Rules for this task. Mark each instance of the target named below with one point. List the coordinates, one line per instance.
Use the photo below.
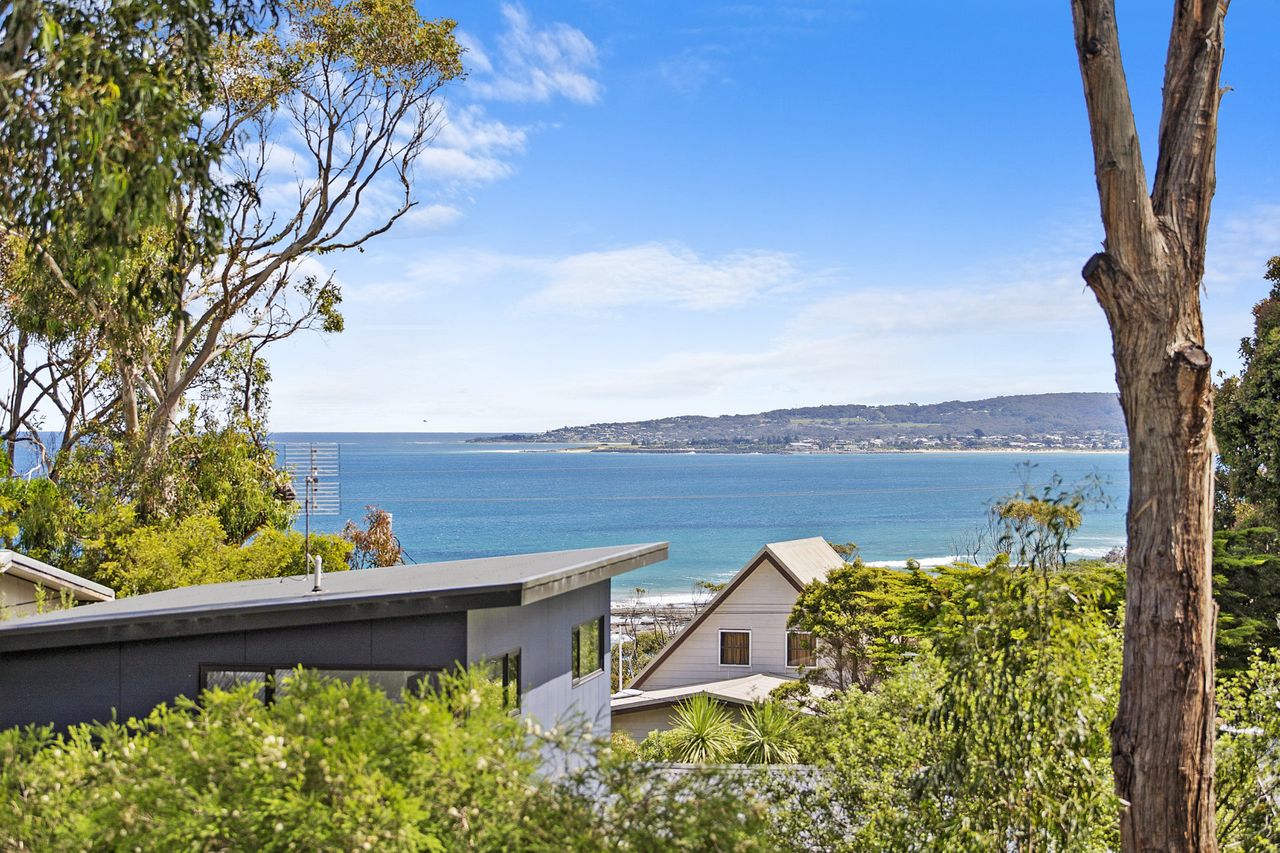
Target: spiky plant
(769, 735)
(703, 732)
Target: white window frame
(786, 650)
(720, 647)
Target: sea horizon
(451, 500)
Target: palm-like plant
(703, 732)
(769, 732)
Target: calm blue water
(453, 500)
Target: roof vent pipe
(319, 568)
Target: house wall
(640, 722)
(543, 633)
(761, 603)
(17, 597)
(83, 683)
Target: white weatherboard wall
(18, 596)
(761, 604)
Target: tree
(1147, 280)
(859, 617)
(353, 86)
(1246, 580)
(374, 546)
(1246, 422)
(702, 731)
(97, 106)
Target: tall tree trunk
(1147, 280)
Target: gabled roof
(361, 594)
(801, 561)
(805, 560)
(37, 572)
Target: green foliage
(1030, 682)
(1246, 584)
(769, 734)
(1247, 775)
(868, 619)
(703, 732)
(992, 735)
(341, 766)
(97, 105)
(870, 746)
(194, 551)
(1246, 422)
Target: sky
(639, 209)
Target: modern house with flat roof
(540, 620)
(28, 584)
(739, 647)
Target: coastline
(687, 451)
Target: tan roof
(737, 691)
(808, 560)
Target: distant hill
(1078, 420)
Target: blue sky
(640, 209)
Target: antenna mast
(320, 461)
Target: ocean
(454, 500)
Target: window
(269, 678)
(735, 648)
(801, 650)
(588, 647)
(505, 670)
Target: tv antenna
(316, 464)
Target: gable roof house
(27, 585)
(540, 621)
(737, 649)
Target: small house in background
(540, 622)
(737, 649)
(28, 586)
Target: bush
(331, 765)
(1248, 757)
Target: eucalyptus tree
(320, 120)
(1147, 279)
(98, 102)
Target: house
(739, 647)
(28, 586)
(541, 621)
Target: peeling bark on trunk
(1147, 281)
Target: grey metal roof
(367, 593)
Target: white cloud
(535, 63)
(884, 345)
(475, 59)
(664, 274)
(691, 70)
(1240, 245)
(470, 147)
(432, 216)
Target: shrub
(331, 765)
(703, 732)
(769, 734)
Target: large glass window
(269, 678)
(735, 648)
(588, 647)
(801, 650)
